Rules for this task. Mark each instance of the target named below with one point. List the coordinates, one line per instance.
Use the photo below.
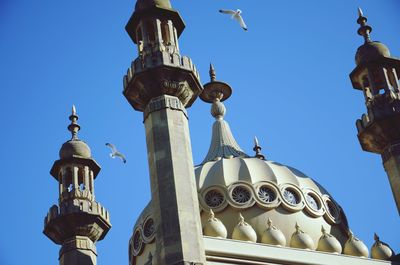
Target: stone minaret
(78, 221)
(377, 75)
(161, 83)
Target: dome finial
(212, 73)
(257, 148)
(74, 126)
(364, 29)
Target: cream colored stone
(328, 243)
(243, 231)
(273, 236)
(380, 250)
(355, 247)
(300, 239)
(214, 227)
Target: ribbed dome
(145, 4)
(75, 148)
(301, 239)
(273, 236)
(214, 227)
(371, 51)
(355, 247)
(328, 243)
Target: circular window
(241, 194)
(291, 196)
(266, 194)
(137, 242)
(332, 209)
(148, 228)
(214, 198)
(312, 201)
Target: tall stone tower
(78, 221)
(161, 83)
(377, 75)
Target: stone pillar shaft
(174, 195)
(78, 250)
(391, 163)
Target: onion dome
(300, 239)
(228, 180)
(146, 4)
(74, 147)
(355, 247)
(243, 231)
(328, 243)
(370, 50)
(273, 236)
(380, 250)
(214, 227)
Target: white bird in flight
(115, 153)
(236, 15)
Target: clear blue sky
(289, 74)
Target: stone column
(174, 196)
(78, 250)
(391, 163)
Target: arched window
(165, 33)
(151, 37)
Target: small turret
(377, 75)
(78, 221)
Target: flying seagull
(115, 153)
(236, 15)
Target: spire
(74, 127)
(223, 144)
(257, 148)
(364, 29)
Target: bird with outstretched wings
(235, 15)
(115, 153)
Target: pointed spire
(74, 127)
(223, 144)
(364, 29)
(257, 148)
(212, 73)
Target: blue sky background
(289, 75)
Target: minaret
(162, 83)
(78, 221)
(377, 75)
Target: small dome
(214, 227)
(355, 247)
(300, 239)
(145, 4)
(380, 250)
(73, 148)
(371, 51)
(243, 231)
(328, 243)
(273, 236)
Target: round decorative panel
(291, 197)
(241, 194)
(312, 202)
(214, 198)
(148, 228)
(266, 194)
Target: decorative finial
(376, 237)
(74, 126)
(257, 148)
(364, 29)
(241, 219)
(360, 12)
(297, 227)
(212, 73)
(211, 215)
(269, 222)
